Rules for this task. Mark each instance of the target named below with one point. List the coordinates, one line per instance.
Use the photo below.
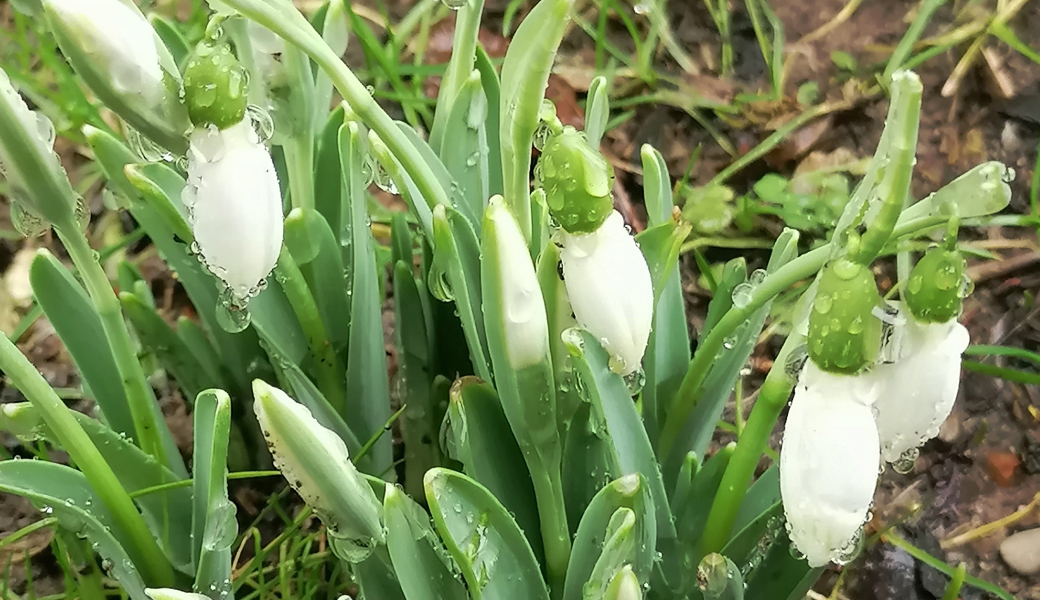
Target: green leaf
(329, 199)
(174, 355)
(525, 76)
(691, 511)
(493, 554)
(477, 434)
(597, 111)
(720, 579)
(983, 190)
(70, 311)
(376, 577)
(170, 33)
(465, 153)
(559, 316)
(368, 389)
(614, 414)
(419, 423)
(668, 350)
(135, 470)
(601, 547)
(68, 495)
(193, 336)
(424, 568)
(214, 527)
(457, 260)
(660, 246)
(493, 92)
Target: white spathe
(234, 204)
(610, 290)
(526, 324)
(829, 463)
(918, 391)
(121, 41)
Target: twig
(989, 528)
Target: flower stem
(751, 443)
(139, 394)
(330, 372)
(299, 159)
(800, 268)
(152, 562)
(291, 25)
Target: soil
(985, 464)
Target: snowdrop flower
(315, 462)
(233, 197)
(610, 290)
(118, 38)
(829, 462)
(526, 328)
(921, 387)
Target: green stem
(330, 372)
(798, 269)
(752, 442)
(139, 395)
(288, 23)
(153, 563)
(463, 49)
(552, 515)
(904, 118)
(299, 159)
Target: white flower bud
(235, 206)
(172, 594)
(624, 586)
(610, 290)
(118, 39)
(526, 326)
(918, 391)
(829, 463)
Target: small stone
(1021, 551)
(1002, 467)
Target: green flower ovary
(215, 85)
(935, 288)
(844, 333)
(577, 181)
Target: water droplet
(967, 286)
(905, 463)
(915, 284)
(635, 381)
(730, 342)
(796, 361)
(350, 549)
(823, 303)
(230, 316)
(381, 177)
(471, 160)
(742, 294)
(454, 4)
(262, 122)
(27, 222)
(642, 8)
(82, 212)
(439, 286)
(145, 148)
(45, 130)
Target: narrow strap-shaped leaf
(597, 113)
(525, 76)
(376, 577)
(614, 412)
(781, 576)
(560, 317)
(477, 434)
(368, 389)
(424, 568)
(328, 183)
(457, 259)
(214, 527)
(170, 34)
(78, 325)
(194, 337)
(493, 554)
(135, 470)
(668, 351)
(325, 275)
(465, 155)
(67, 494)
(589, 463)
(691, 512)
(173, 354)
(719, 578)
(493, 93)
(463, 47)
(592, 543)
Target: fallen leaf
(1002, 467)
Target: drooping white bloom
(918, 391)
(829, 462)
(610, 290)
(120, 41)
(235, 206)
(525, 321)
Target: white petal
(120, 40)
(527, 329)
(235, 205)
(918, 391)
(828, 466)
(609, 286)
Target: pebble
(1021, 551)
